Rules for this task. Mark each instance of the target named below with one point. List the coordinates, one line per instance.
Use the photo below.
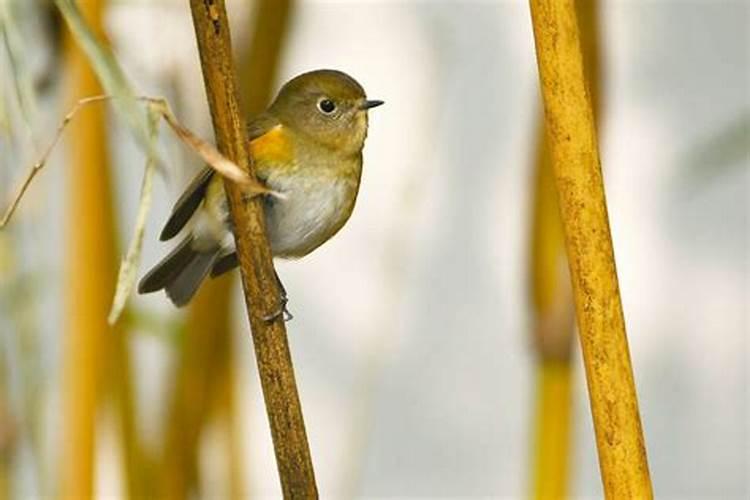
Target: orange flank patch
(273, 147)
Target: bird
(306, 146)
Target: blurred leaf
(19, 293)
(169, 328)
(212, 156)
(728, 148)
(5, 258)
(129, 266)
(107, 69)
(4, 120)
(22, 81)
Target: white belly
(310, 214)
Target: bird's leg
(282, 311)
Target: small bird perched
(307, 146)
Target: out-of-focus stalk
(259, 63)
(89, 268)
(227, 414)
(552, 298)
(553, 430)
(196, 379)
(575, 159)
(552, 337)
(135, 462)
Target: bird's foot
(282, 312)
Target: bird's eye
(327, 106)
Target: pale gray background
(410, 330)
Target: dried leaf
(214, 158)
(129, 265)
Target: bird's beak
(371, 104)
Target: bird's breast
(318, 201)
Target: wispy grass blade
(19, 72)
(108, 71)
(129, 265)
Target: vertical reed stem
(262, 296)
(572, 138)
(552, 297)
(196, 380)
(553, 426)
(261, 60)
(90, 270)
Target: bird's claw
(282, 312)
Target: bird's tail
(181, 272)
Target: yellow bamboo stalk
(553, 430)
(260, 62)
(262, 294)
(553, 335)
(90, 270)
(572, 138)
(226, 409)
(552, 299)
(195, 382)
(136, 464)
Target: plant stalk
(262, 294)
(571, 136)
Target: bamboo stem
(553, 422)
(262, 295)
(196, 381)
(573, 145)
(90, 272)
(135, 460)
(552, 298)
(552, 337)
(226, 412)
(261, 60)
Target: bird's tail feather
(180, 273)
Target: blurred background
(419, 330)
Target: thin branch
(262, 295)
(578, 178)
(40, 164)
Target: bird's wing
(187, 204)
(269, 145)
(195, 192)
